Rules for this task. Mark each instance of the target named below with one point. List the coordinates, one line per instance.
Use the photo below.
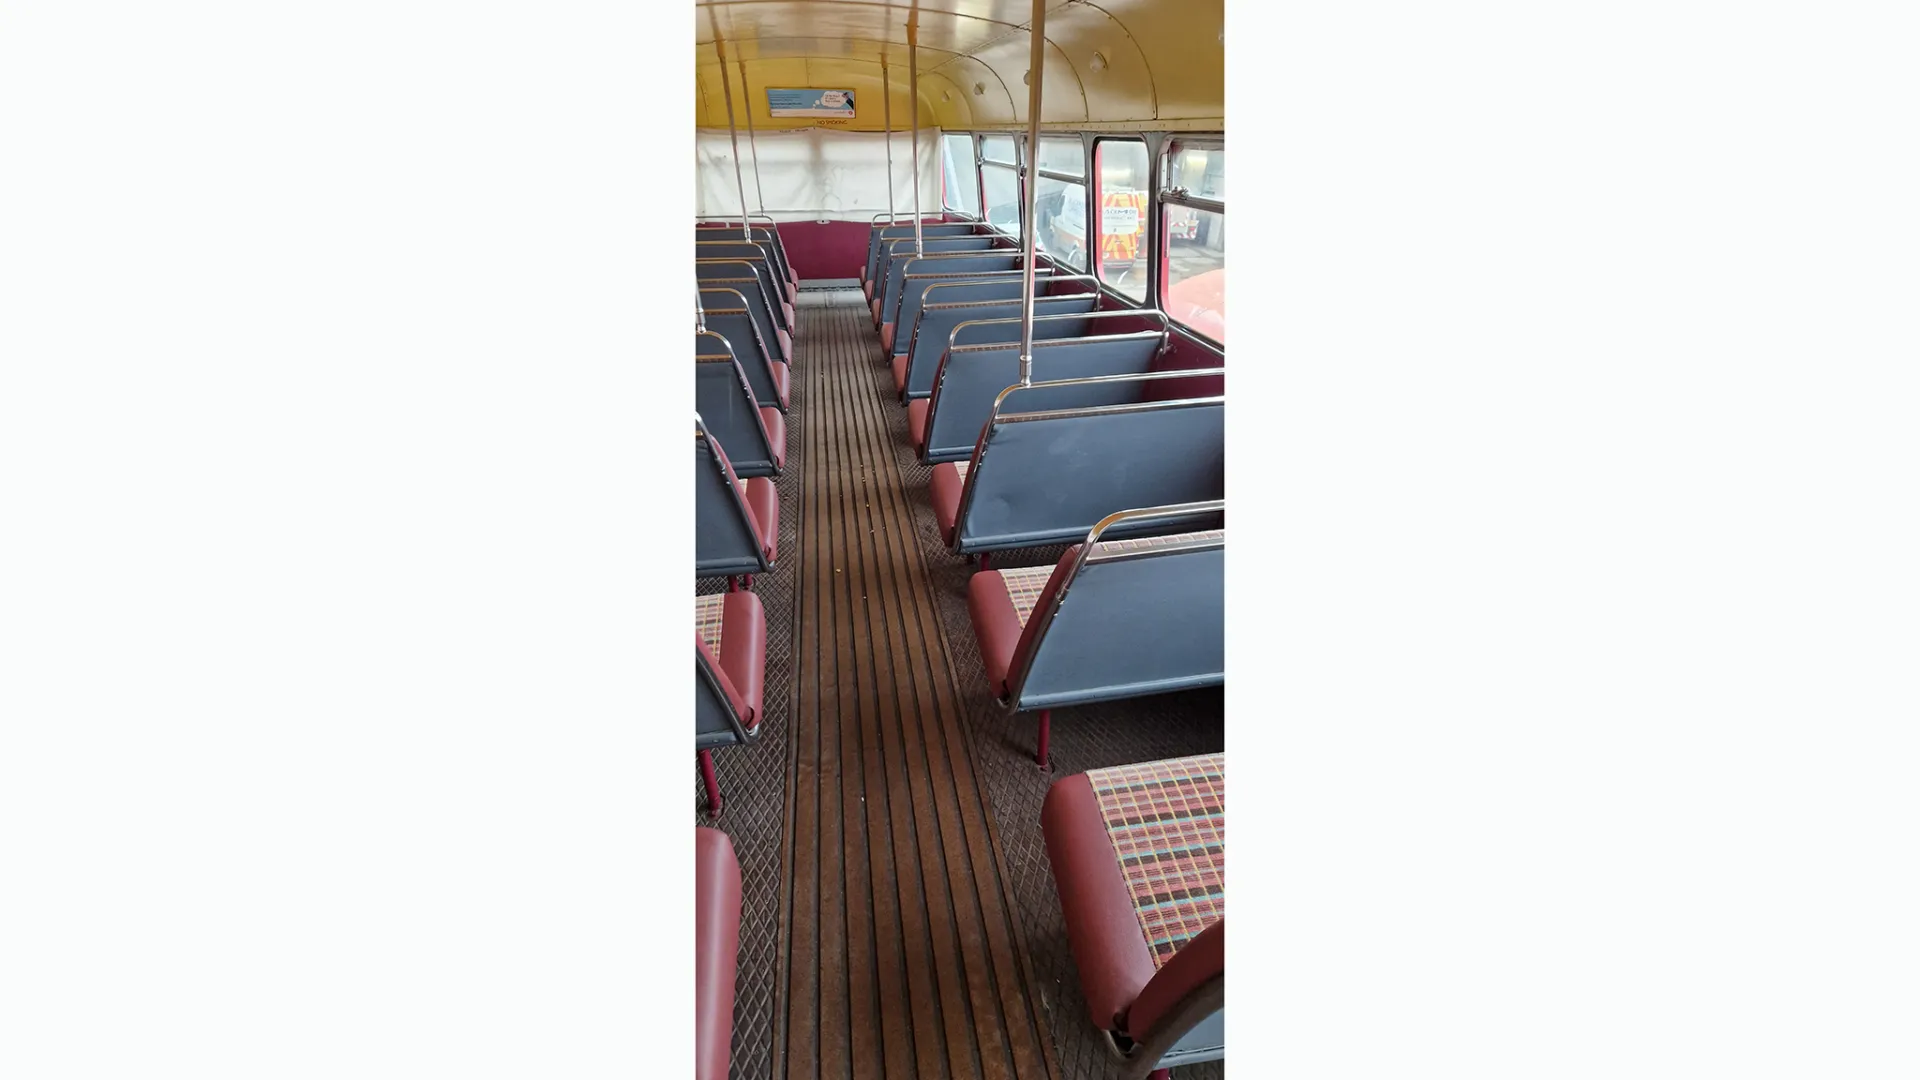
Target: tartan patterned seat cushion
(1024, 586)
(1166, 821)
(707, 611)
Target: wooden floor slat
(900, 954)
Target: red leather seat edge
(716, 944)
(763, 502)
(776, 426)
(782, 383)
(1109, 948)
(917, 411)
(945, 489)
(743, 649)
(995, 626)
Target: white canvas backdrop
(808, 174)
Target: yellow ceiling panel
(836, 73)
(1151, 63)
(1063, 100)
(1184, 47)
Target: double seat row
(1102, 447)
(743, 343)
(743, 354)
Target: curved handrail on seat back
(726, 539)
(716, 712)
(1006, 284)
(880, 234)
(1045, 477)
(991, 330)
(893, 266)
(720, 221)
(761, 235)
(730, 314)
(1000, 287)
(1148, 617)
(980, 337)
(936, 326)
(736, 248)
(756, 269)
(882, 237)
(894, 251)
(750, 288)
(970, 378)
(724, 400)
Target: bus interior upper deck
(959, 461)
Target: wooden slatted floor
(900, 957)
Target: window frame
(1159, 144)
(1165, 197)
(979, 192)
(1096, 192)
(1019, 189)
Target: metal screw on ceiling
(1098, 63)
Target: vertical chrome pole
(699, 309)
(1036, 61)
(746, 102)
(913, 106)
(726, 89)
(886, 111)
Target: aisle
(901, 958)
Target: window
(1060, 201)
(1060, 221)
(1195, 271)
(1202, 170)
(1001, 182)
(1064, 156)
(1003, 197)
(960, 189)
(1122, 168)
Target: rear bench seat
(1139, 858)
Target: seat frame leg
(711, 781)
(1160, 1074)
(733, 583)
(985, 560)
(746, 582)
(1041, 755)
